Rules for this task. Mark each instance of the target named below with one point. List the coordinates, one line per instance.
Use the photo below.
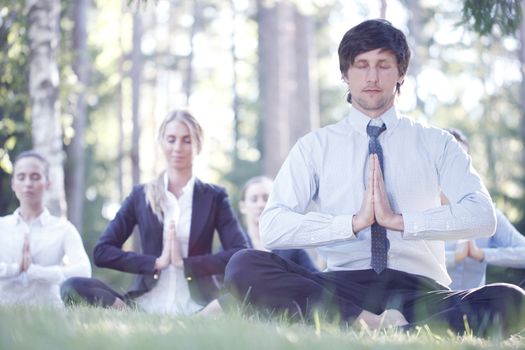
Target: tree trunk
(77, 182)
(419, 51)
(383, 9)
(136, 70)
(522, 88)
(235, 94)
(289, 99)
(305, 102)
(44, 37)
(188, 83)
(120, 115)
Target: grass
(91, 328)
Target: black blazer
(211, 211)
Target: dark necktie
(380, 243)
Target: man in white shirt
(38, 251)
(382, 236)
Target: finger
(173, 228)
(26, 242)
(376, 176)
(380, 179)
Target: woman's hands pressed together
(171, 251)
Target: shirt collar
(359, 121)
(187, 190)
(41, 220)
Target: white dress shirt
(505, 248)
(171, 294)
(57, 253)
(328, 167)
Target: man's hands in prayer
(376, 206)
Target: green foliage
(15, 135)
(483, 15)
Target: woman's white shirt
(171, 294)
(57, 254)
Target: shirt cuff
(413, 223)
(47, 273)
(342, 227)
(12, 269)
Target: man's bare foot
(119, 305)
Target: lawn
(90, 328)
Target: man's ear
(345, 79)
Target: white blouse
(171, 294)
(57, 253)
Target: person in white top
(467, 260)
(375, 179)
(38, 251)
(177, 216)
(253, 199)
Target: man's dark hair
(371, 35)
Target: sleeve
(8, 269)
(232, 240)
(284, 223)
(470, 213)
(11, 245)
(76, 261)
(108, 251)
(507, 246)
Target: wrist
(358, 224)
(178, 263)
(395, 222)
(481, 256)
(159, 264)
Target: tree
(76, 151)
(14, 121)
(44, 37)
(136, 73)
(285, 84)
(483, 16)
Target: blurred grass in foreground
(91, 328)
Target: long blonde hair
(154, 190)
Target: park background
(87, 83)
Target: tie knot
(375, 131)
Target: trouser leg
(269, 282)
(77, 290)
(491, 309)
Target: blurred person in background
(38, 251)
(254, 196)
(467, 260)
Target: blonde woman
(38, 251)
(177, 216)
